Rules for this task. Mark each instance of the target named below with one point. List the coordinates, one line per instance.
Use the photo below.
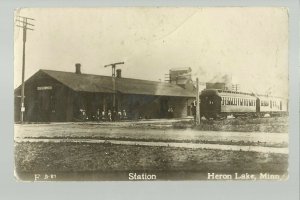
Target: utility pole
(197, 103)
(23, 23)
(113, 68)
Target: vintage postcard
(151, 94)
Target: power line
(23, 22)
(113, 68)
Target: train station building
(57, 96)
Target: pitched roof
(97, 83)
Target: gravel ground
(97, 131)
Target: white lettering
(142, 176)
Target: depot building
(57, 96)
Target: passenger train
(215, 103)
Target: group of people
(103, 116)
(111, 115)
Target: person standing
(109, 115)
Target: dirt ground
(107, 159)
(137, 131)
(272, 125)
(78, 157)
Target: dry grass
(82, 157)
(273, 125)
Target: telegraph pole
(113, 68)
(197, 103)
(23, 22)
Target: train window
(241, 102)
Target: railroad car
(216, 103)
(272, 105)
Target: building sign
(44, 88)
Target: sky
(248, 44)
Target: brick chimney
(78, 68)
(119, 73)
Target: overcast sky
(249, 44)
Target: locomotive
(216, 103)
